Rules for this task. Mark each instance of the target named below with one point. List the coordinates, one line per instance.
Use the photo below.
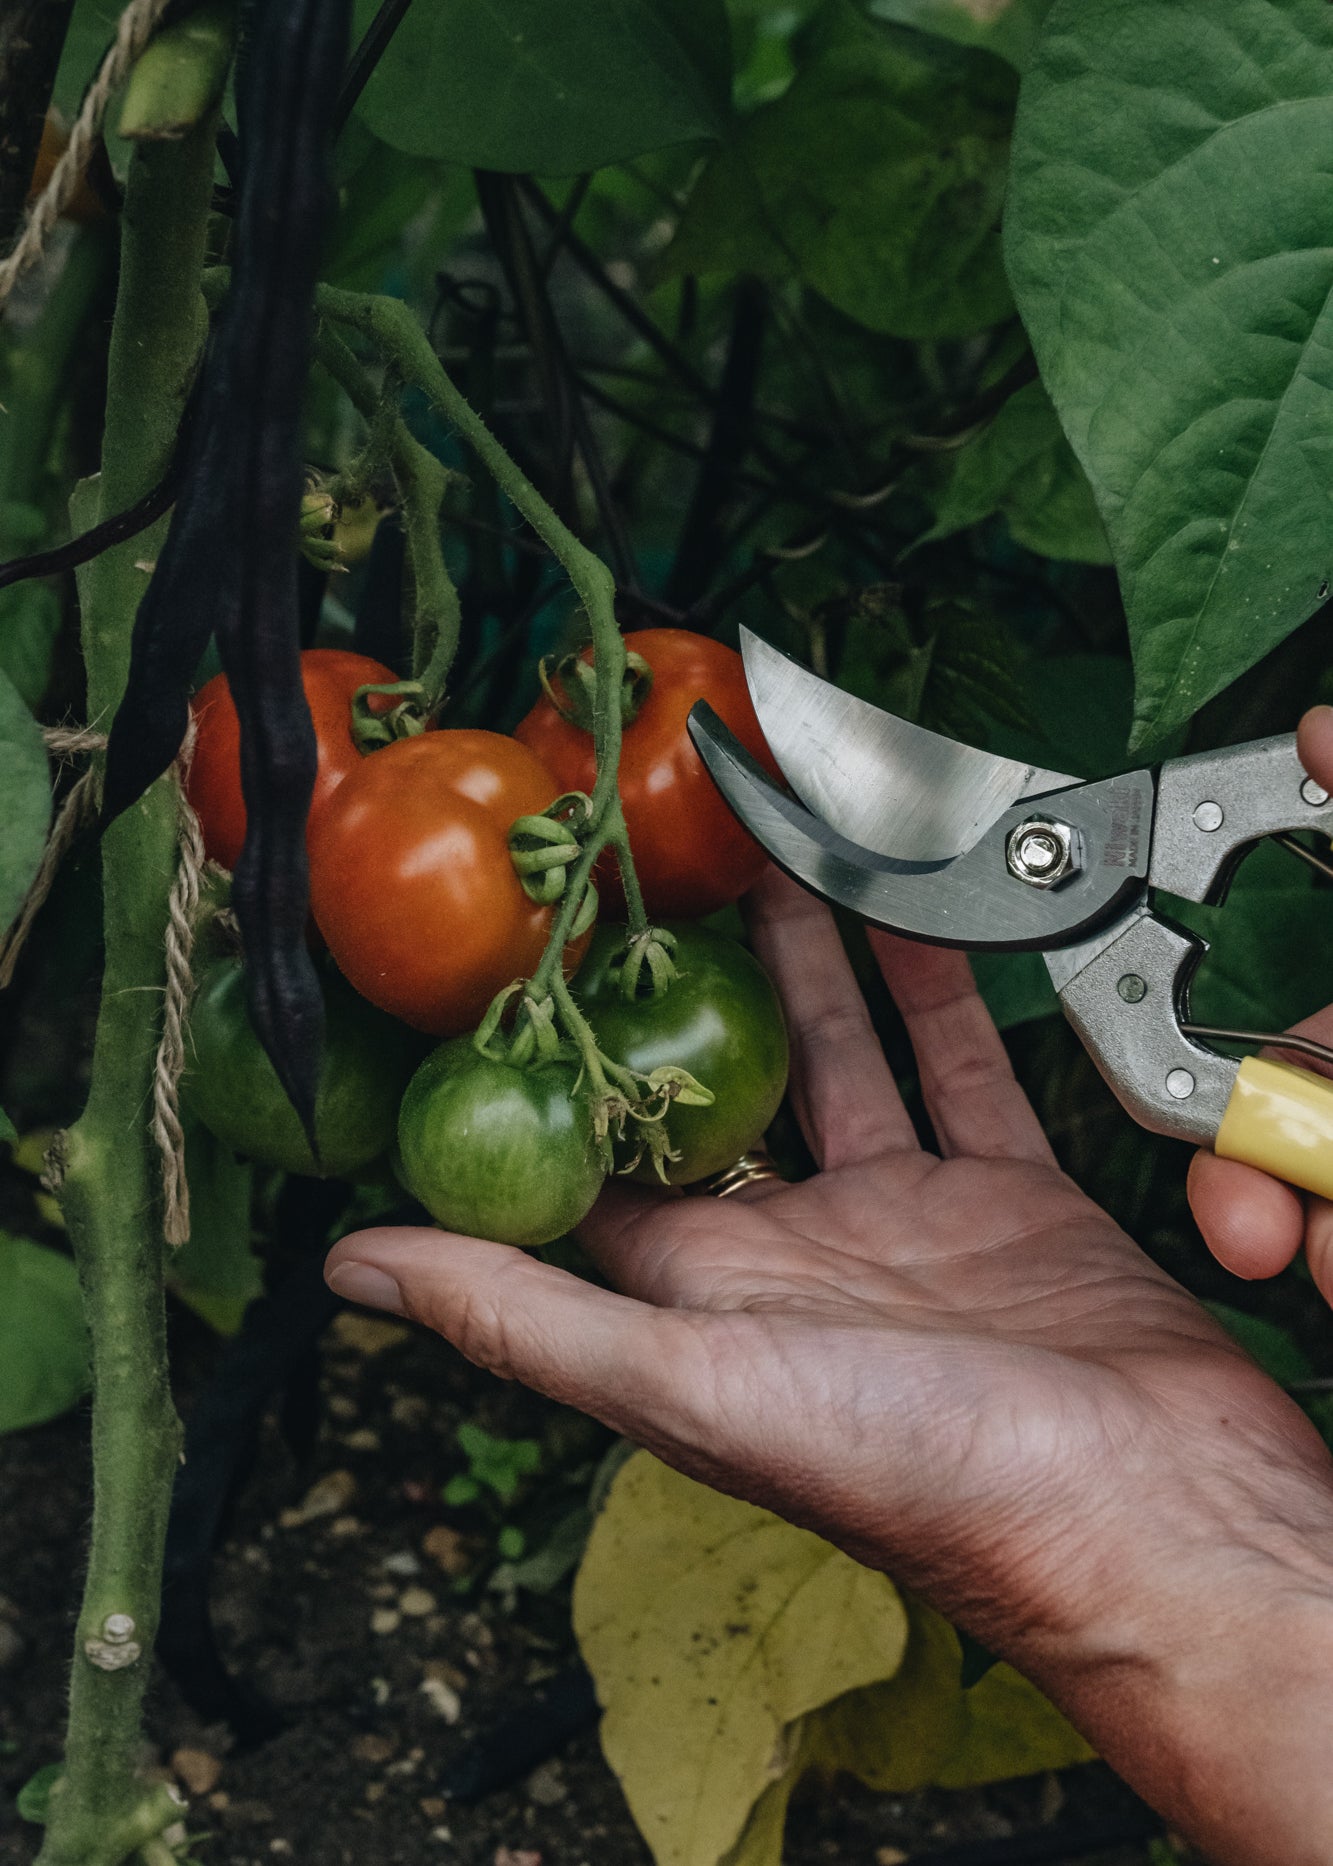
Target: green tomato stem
(422, 482)
(390, 328)
(111, 1190)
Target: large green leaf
(1022, 466)
(43, 1348)
(525, 85)
(876, 178)
(1168, 244)
(25, 799)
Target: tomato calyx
(647, 969)
(571, 688)
(530, 1039)
(543, 849)
(404, 719)
(664, 1085)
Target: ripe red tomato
(411, 881)
(691, 854)
(330, 677)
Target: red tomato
(411, 880)
(330, 677)
(690, 853)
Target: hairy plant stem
(101, 1812)
(422, 481)
(389, 327)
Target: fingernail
(363, 1283)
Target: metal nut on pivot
(1313, 793)
(1041, 852)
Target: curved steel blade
(878, 780)
(970, 901)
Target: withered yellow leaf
(711, 1628)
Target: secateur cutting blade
(883, 783)
(909, 829)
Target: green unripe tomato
(498, 1151)
(231, 1086)
(719, 1018)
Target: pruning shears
(952, 845)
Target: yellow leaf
(711, 1628)
(1012, 1730)
(761, 1842)
(898, 1736)
(922, 1729)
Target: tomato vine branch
(422, 482)
(391, 329)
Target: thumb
(1252, 1224)
(1314, 744)
(630, 1365)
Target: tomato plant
(1054, 486)
(719, 1018)
(411, 882)
(231, 1085)
(691, 854)
(499, 1150)
(330, 677)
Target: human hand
(1254, 1224)
(956, 1367)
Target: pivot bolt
(1314, 793)
(1041, 852)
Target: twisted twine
(136, 27)
(80, 807)
(182, 917)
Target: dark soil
(389, 1669)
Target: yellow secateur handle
(1280, 1119)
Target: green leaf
(1279, 1356)
(43, 1344)
(510, 1542)
(546, 1567)
(380, 194)
(29, 625)
(217, 1274)
(1022, 466)
(1009, 28)
(876, 179)
(460, 1490)
(710, 1628)
(1270, 941)
(33, 1800)
(8, 1131)
(1167, 239)
(500, 1464)
(25, 800)
(523, 85)
(953, 668)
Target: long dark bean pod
(229, 564)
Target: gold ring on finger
(753, 1166)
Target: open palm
(954, 1365)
